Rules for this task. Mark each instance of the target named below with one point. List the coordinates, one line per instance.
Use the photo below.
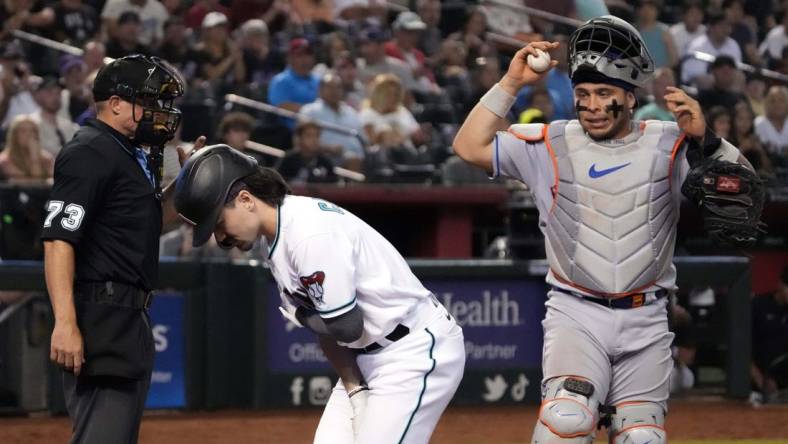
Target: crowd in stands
(396, 77)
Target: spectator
(772, 127)
(345, 150)
(15, 81)
(474, 34)
(261, 61)
(719, 120)
(755, 90)
(504, 20)
(174, 46)
(352, 87)
(76, 96)
(334, 44)
(151, 13)
(235, 130)
(658, 108)
(540, 107)
(124, 40)
(740, 30)
(407, 28)
(689, 28)
(716, 41)
(53, 131)
(770, 339)
(75, 22)
(295, 86)
(656, 35)
(386, 121)
(16, 15)
(196, 14)
(275, 13)
(485, 74)
(374, 60)
(94, 55)
(306, 162)
(776, 40)
(744, 138)
(218, 59)
(430, 39)
(452, 71)
(22, 158)
(722, 91)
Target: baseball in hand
(540, 62)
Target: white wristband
(498, 101)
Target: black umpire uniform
(106, 203)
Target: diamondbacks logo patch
(313, 285)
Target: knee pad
(638, 423)
(568, 413)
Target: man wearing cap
(407, 30)
(723, 88)
(125, 39)
(101, 239)
(15, 81)
(296, 85)
(374, 60)
(152, 14)
(608, 191)
(53, 130)
(400, 355)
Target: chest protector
(612, 226)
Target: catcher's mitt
(731, 198)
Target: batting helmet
(607, 49)
(203, 185)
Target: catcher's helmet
(150, 83)
(609, 46)
(203, 184)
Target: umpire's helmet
(203, 184)
(607, 49)
(150, 83)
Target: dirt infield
(706, 420)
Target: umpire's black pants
(105, 409)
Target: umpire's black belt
(398, 333)
(634, 300)
(113, 293)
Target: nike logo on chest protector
(594, 173)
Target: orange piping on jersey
(673, 153)
(554, 189)
(653, 426)
(526, 138)
(563, 435)
(642, 125)
(599, 293)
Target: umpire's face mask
(159, 121)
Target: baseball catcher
(608, 191)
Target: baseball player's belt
(634, 300)
(398, 333)
(114, 293)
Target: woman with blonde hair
(23, 158)
(385, 119)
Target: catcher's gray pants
(624, 353)
(105, 409)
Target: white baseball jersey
(327, 259)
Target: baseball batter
(608, 191)
(399, 354)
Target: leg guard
(568, 413)
(638, 423)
